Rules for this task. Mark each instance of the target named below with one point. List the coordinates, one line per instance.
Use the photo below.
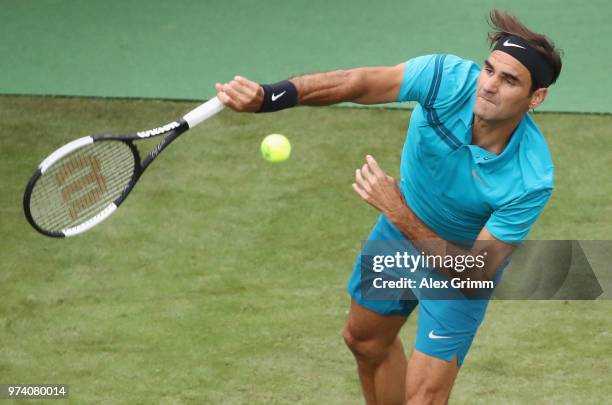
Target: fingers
(370, 174)
(236, 95)
(247, 83)
(377, 189)
(373, 166)
(367, 173)
(239, 87)
(361, 182)
(234, 90)
(365, 196)
(370, 179)
(240, 94)
(225, 98)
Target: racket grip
(203, 112)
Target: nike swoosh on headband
(508, 43)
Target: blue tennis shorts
(446, 328)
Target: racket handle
(203, 112)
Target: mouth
(487, 100)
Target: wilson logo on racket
(157, 131)
(88, 184)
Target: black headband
(541, 72)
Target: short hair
(505, 23)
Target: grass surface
(221, 279)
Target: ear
(538, 97)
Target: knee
(365, 348)
(350, 340)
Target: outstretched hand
(378, 189)
(241, 95)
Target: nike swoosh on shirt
(276, 97)
(433, 336)
(508, 43)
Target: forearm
(318, 89)
(427, 241)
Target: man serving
(475, 167)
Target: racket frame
(171, 131)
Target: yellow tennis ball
(275, 148)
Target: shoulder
(439, 81)
(457, 80)
(455, 66)
(448, 63)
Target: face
(503, 87)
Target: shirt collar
(483, 156)
(490, 160)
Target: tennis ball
(275, 148)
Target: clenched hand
(241, 95)
(378, 189)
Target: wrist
(278, 96)
(398, 215)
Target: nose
(490, 85)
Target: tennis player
(475, 167)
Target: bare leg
(429, 380)
(379, 353)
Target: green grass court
(221, 280)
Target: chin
(483, 113)
(487, 112)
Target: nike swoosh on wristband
(432, 336)
(508, 43)
(276, 97)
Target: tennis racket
(83, 182)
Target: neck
(493, 135)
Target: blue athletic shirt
(457, 188)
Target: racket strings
(91, 194)
(81, 184)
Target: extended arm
(365, 85)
